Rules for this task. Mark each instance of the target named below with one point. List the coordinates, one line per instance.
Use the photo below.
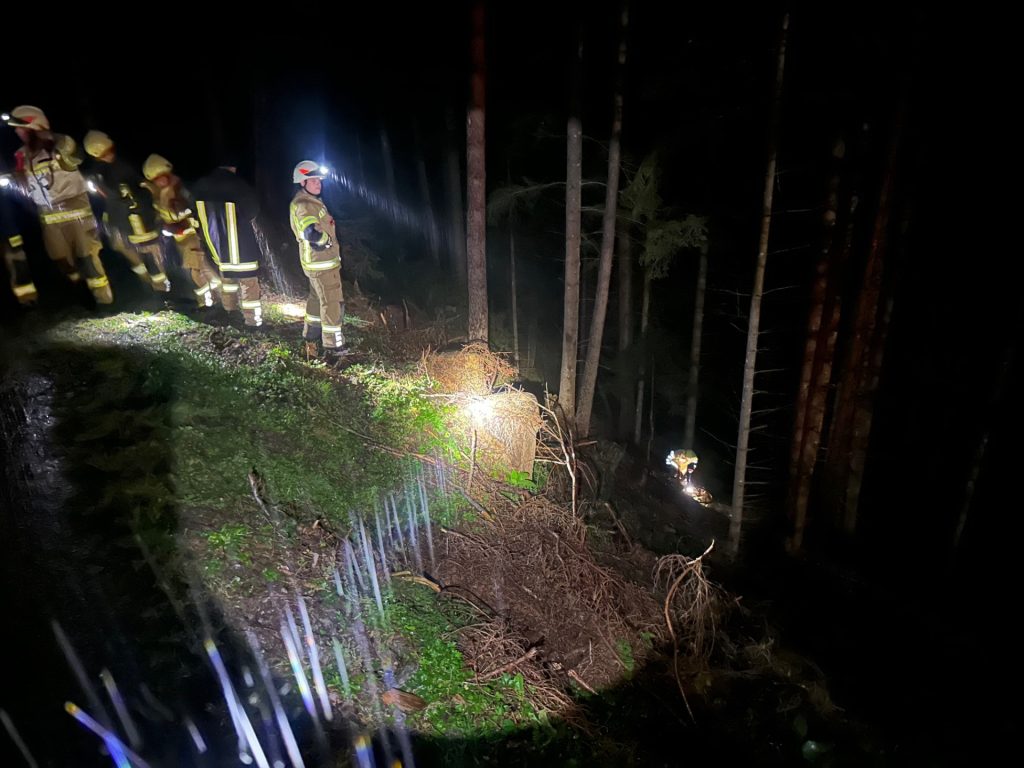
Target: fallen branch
(581, 682)
(475, 504)
(619, 525)
(505, 667)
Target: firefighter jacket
(313, 226)
(50, 175)
(129, 204)
(174, 209)
(227, 208)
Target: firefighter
(227, 208)
(46, 166)
(320, 256)
(684, 461)
(129, 217)
(171, 202)
(22, 287)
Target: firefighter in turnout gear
(684, 461)
(14, 253)
(46, 166)
(320, 256)
(176, 221)
(129, 218)
(227, 208)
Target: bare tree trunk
(476, 232)
(359, 161)
(864, 415)
(458, 211)
(645, 310)
(803, 426)
(821, 380)
(750, 363)
(626, 387)
(978, 459)
(698, 329)
(845, 437)
(650, 420)
(531, 344)
(573, 204)
(604, 275)
(428, 204)
(515, 303)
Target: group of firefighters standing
(212, 226)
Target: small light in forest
(324, 170)
(293, 310)
(91, 185)
(5, 181)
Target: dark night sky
(698, 85)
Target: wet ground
(72, 555)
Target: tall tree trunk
(1006, 365)
(821, 381)
(698, 329)
(476, 232)
(750, 362)
(359, 162)
(604, 275)
(803, 427)
(573, 186)
(627, 393)
(428, 204)
(389, 180)
(864, 415)
(457, 251)
(515, 301)
(645, 313)
(650, 421)
(531, 343)
(845, 437)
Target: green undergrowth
(236, 403)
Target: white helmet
(308, 169)
(27, 116)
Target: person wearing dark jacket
(22, 287)
(129, 219)
(227, 208)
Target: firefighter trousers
(145, 259)
(242, 293)
(16, 262)
(324, 309)
(199, 267)
(75, 247)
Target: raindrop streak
(353, 563)
(410, 509)
(364, 753)
(398, 524)
(117, 748)
(426, 518)
(83, 680)
(380, 545)
(342, 669)
(297, 670)
(371, 568)
(16, 738)
(314, 661)
(291, 746)
(197, 738)
(246, 734)
(122, 711)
